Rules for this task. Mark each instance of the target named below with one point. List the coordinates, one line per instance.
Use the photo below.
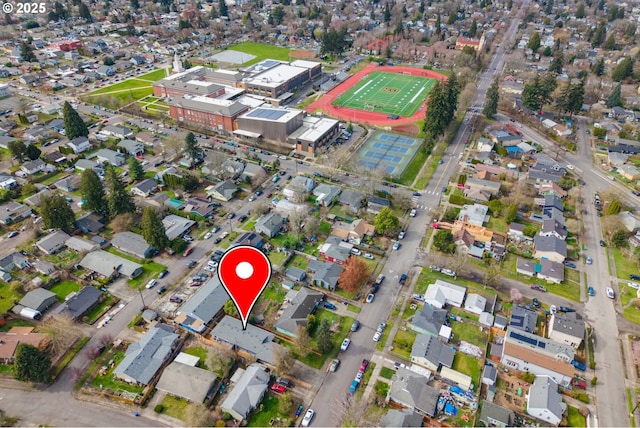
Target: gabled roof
(493, 412)
(185, 381)
(570, 324)
(35, 298)
(411, 389)
(146, 186)
(53, 241)
(429, 319)
(401, 418)
(131, 243)
(248, 392)
(304, 303)
(144, 358)
(523, 319)
(442, 293)
(551, 244)
(106, 263)
(325, 272)
(543, 394)
(434, 351)
(551, 225)
(84, 299)
(207, 302)
(551, 269)
(254, 340)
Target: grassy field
(98, 311)
(8, 296)
(468, 365)
(469, 332)
(414, 167)
(175, 407)
(624, 266)
(388, 93)
(128, 90)
(268, 411)
(387, 373)
(261, 52)
(574, 418)
(201, 353)
(109, 381)
(403, 342)
(62, 289)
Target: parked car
(377, 336)
(354, 386)
(370, 298)
(307, 418)
(413, 213)
(401, 235)
(329, 305)
(359, 377)
(553, 309)
(355, 326)
(242, 218)
(151, 284)
(578, 383)
(187, 252)
(448, 272)
(13, 234)
(634, 276)
(538, 287)
(279, 389)
(591, 291)
(163, 274)
(334, 365)
(176, 299)
(579, 365)
(396, 245)
(602, 243)
(403, 278)
(610, 293)
(355, 252)
(161, 289)
(369, 256)
(382, 326)
(345, 344)
(536, 303)
(284, 381)
(569, 264)
(191, 263)
(364, 365)
(566, 309)
(588, 260)
(380, 279)
(231, 215)
(208, 235)
(374, 289)
(634, 285)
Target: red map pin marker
(244, 272)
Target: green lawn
(324, 228)
(174, 406)
(498, 224)
(468, 365)
(469, 332)
(261, 52)
(277, 257)
(299, 261)
(144, 80)
(403, 342)
(624, 266)
(99, 310)
(413, 169)
(108, 381)
(387, 373)
(64, 288)
(574, 418)
(149, 268)
(53, 178)
(8, 296)
(201, 353)
(267, 411)
(389, 93)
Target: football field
(389, 93)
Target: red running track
(369, 117)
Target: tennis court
(389, 152)
(389, 93)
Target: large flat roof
(314, 128)
(276, 76)
(272, 114)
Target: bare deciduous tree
(61, 330)
(283, 360)
(173, 145)
(302, 340)
(297, 220)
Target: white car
(377, 336)
(151, 284)
(369, 256)
(396, 245)
(212, 263)
(355, 252)
(252, 198)
(209, 268)
(345, 344)
(634, 285)
(570, 167)
(307, 417)
(402, 235)
(413, 213)
(610, 293)
(208, 235)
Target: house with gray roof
(549, 247)
(551, 227)
(269, 224)
(144, 188)
(144, 358)
(295, 274)
(376, 203)
(474, 214)
(12, 212)
(110, 156)
(12, 261)
(429, 320)
(544, 402)
(80, 245)
(551, 271)
(79, 145)
(82, 302)
(53, 242)
(325, 274)
(248, 238)
(493, 415)
(131, 147)
(335, 250)
(132, 243)
(352, 199)
(39, 299)
(44, 267)
(117, 131)
(33, 167)
(489, 375)
(326, 194)
(568, 328)
(304, 303)
(629, 221)
(254, 341)
(298, 187)
(429, 352)
(107, 264)
(538, 176)
(553, 213)
(175, 226)
(90, 223)
(523, 319)
(222, 191)
(401, 418)
(82, 164)
(34, 200)
(203, 307)
(247, 394)
(184, 381)
(410, 390)
(69, 184)
(481, 185)
(7, 182)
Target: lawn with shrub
(267, 411)
(174, 406)
(387, 373)
(64, 288)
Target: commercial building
(196, 81)
(277, 81)
(212, 113)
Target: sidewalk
(375, 376)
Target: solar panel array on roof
(264, 113)
(529, 340)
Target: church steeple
(177, 65)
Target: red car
(278, 388)
(187, 252)
(363, 366)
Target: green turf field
(389, 93)
(135, 83)
(261, 52)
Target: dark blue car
(330, 305)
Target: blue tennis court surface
(389, 152)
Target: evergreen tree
(563, 101)
(453, 16)
(74, 126)
(452, 90)
(531, 95)
(387, 13)
(83, 12)
(56, 213)
(26, 52)
(615, 99)
(580, 11)
(577, 98)
(600, 35)
(191, 148)
(18, 149)
(493, 97)
(33, 152)
(119, 200)
(534, 42)
(223, 10)
(31, 364)
(547, 51)
(438, 24)
(214, 13)
(556, 63)
(435, 122)
(610, 44)
(323, 337)
(92, 192)
(135, 168)
(153, 230)
(623, 70)
(474, 28)
(598, 67)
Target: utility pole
(144, 306)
